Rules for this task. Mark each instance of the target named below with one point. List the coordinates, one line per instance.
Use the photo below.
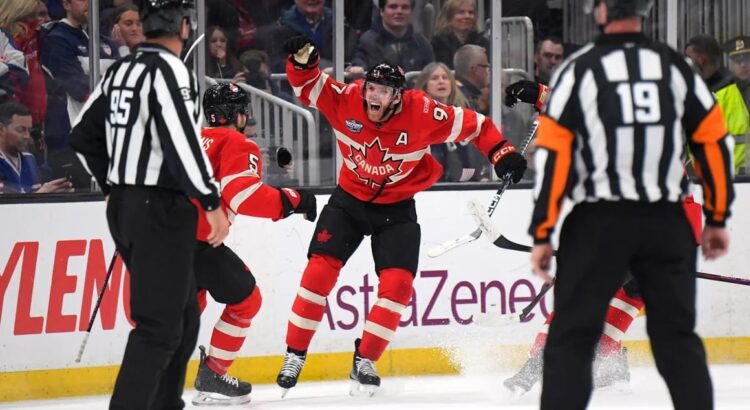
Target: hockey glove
(507, 161)
(298, 202)
(529, 92)
(302, 52)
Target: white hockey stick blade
(493, 319)
(482, 218)
(446, 246)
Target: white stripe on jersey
(615, 66)
(588, 94)
(650, 64)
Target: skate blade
(216, 399)
(358, 389)
(515, 392)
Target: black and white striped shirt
(615, 129)
(140, 127)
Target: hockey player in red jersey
(611, 360)
(237, 165)
(383, 133)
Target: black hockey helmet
(620, 9)
(164, 17)
(222, 102)
(386, 74)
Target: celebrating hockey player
(237, 164)
(383, 133)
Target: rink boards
(53, 258)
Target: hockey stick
(492, 320)
(96, 308)
(505, 243)
(462, 240)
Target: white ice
(645, 391)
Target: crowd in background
(44, 67)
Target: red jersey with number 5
(389, 161)
(238, 165)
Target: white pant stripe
(303, 323)
(311, 296)
(379, 331)
(613, 332)
(625, 307)
(231, 330)
(394, 307)
(221, 353)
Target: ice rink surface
(646, 390)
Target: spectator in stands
(240, 19)
(738, 49)
(221, 60)
(55, 9)
(548, 54)
(706, 54)
(456, 25)
(33, 94)
(309, 18)
(473, 75)
(393, 40)
(41, 13)
(14, 73)
(439, 83)
(65, 55)
(257, 71)
(18, 167)
(127, 31)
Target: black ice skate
(290, 370)
(218, 389)
(611, 369)
(525, 379)
(363, 375)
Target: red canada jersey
(237, 165)
(389, 161)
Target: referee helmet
(164, 17)
(620, 9)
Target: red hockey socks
(309, 306)
(230, 331)
(394, 292)
(541, 337)
(623, 309)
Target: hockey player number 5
(639, 101)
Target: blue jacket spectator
(13, 70)
(311, 19)
(65, 55)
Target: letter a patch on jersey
(403, 138)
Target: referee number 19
(639, 102)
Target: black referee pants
(599, 244)
(154, 231)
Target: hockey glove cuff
(507, 161)
(299, 202)
(302, 52)
(529, 92)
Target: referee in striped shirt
(139, 136)
(614, 137)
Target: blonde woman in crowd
(437, 80)
(456, 26)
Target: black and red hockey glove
(507, 161)
(526, 91)
(299, 202)
(302, 52)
